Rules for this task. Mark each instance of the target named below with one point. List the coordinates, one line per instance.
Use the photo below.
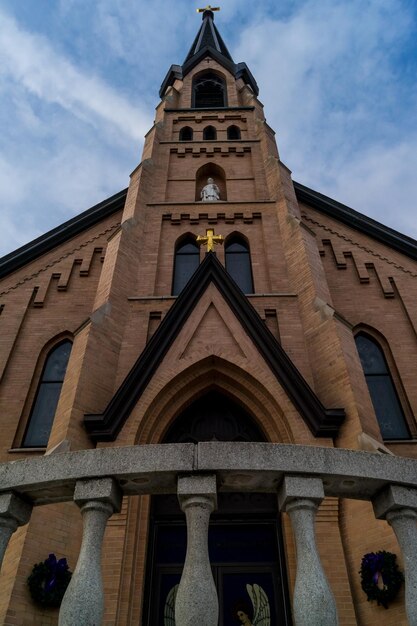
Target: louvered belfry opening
(209, 92)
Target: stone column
(398, 505)
(313, 602)
(14, 512)
(83, 602)
(196, 601)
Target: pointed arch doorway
(245, 539)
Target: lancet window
(209, 133)
(186, 134)
(187, 260)
(238, 262)
(233, 133)
(47, 395)
(384, 396)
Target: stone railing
(301, 476)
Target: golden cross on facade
(208, 8)
(209, 239)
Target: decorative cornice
(321, 421)
(34, 249)
(358, 221)
(366, 249)
(54, 262)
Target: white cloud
(30, 60)
(333, 89)
(329, 73)
(381, 182)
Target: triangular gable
(203, 339)
(321, 421)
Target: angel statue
(242, 611)
(169, 610)
(261, 612)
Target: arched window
(186, 134)
(213, 417)
(238, 263)
(209, 91)
(233, 132)
(47, 395)
(187, 260)
(209, 133)
(383, 394)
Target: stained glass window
(238, 263)
(381, 387)
(187, 260)
(47, 395)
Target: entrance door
(246, 556)
(245, 544)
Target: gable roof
(358, 221)
(34, 249)
(321, 421)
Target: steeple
(208, 39)
(208, 42)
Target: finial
(209, 239)
(208, 9)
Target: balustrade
(14, 512)
(303, 475)
(398, 505)
(196, 601)
(313, 603)
(83, 602)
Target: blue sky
(79, 81)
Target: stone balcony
(301, 476)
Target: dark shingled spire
(209, 43)
(208, 37)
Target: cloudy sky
(79, 81)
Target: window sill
(26, 450)
(403, 441)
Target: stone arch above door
(213, 416)
(214, 373)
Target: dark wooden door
(245, 550)
(245, 544)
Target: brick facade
(316, 282)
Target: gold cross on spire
(208, 8)
(209, 239)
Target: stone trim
(321, 421)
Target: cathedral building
(214, 367)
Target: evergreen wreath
(377, 567)
(49, 581)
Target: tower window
(381, 387)
(209, 92)
(187, 260)
(47, 395)
(209, 133)
(233, 132)
(238, 262)
(186, 134)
